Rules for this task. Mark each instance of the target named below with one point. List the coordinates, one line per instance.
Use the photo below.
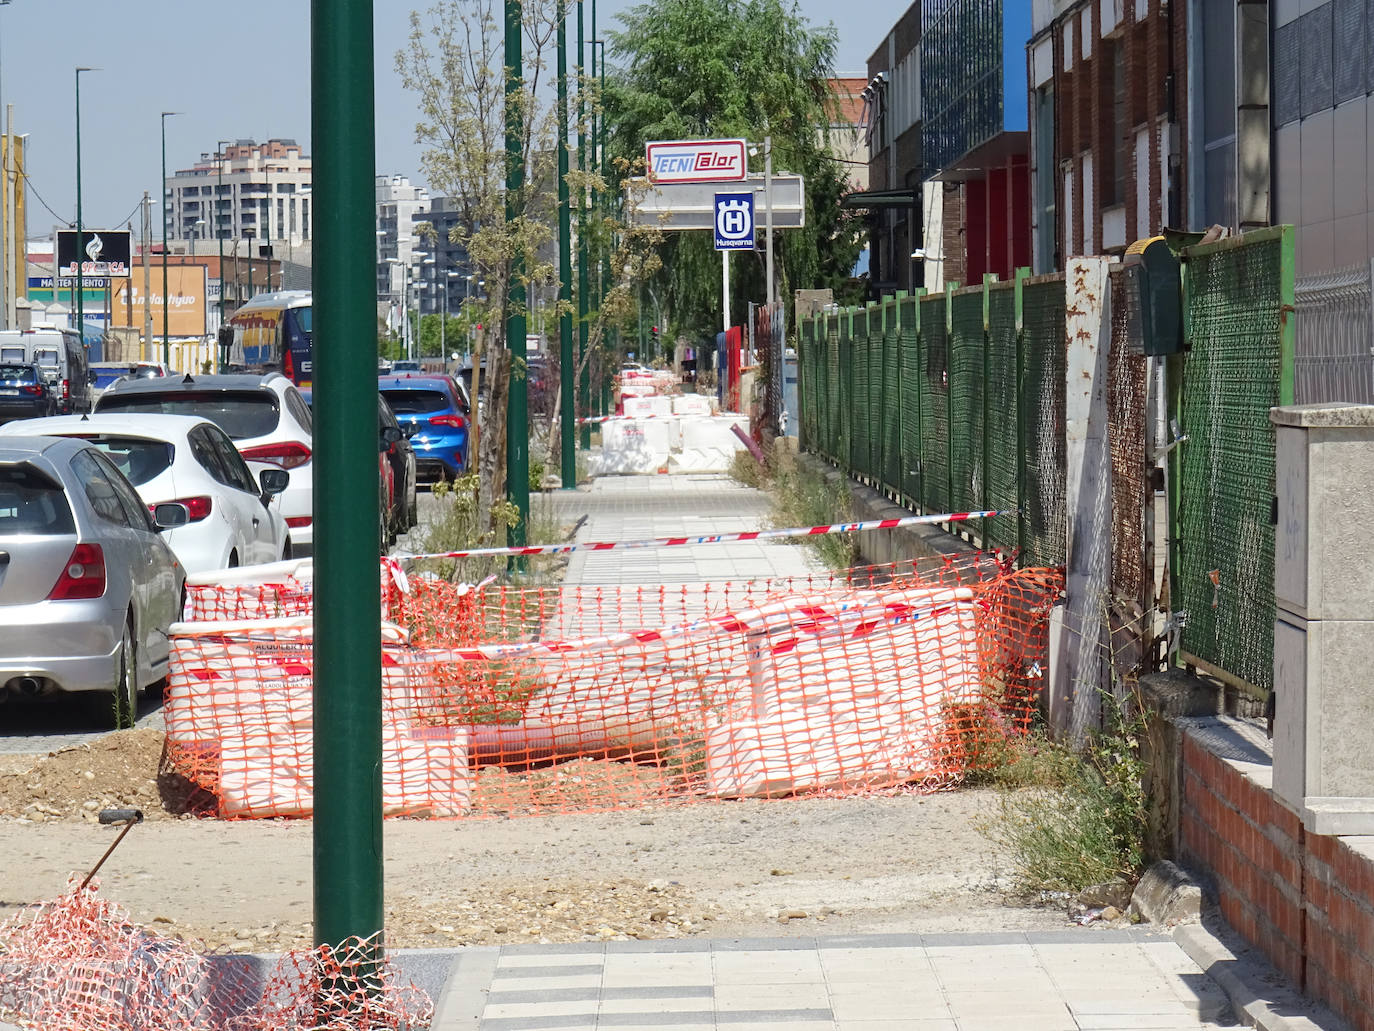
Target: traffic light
(654, 332)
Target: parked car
(192, 462)
(264, 415)
(395, 471)
(435, 415)
(24, 392)
(400, 453)
(62, 354)
(88, 586)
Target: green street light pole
(567, 414)
(517, 410)
(80, 249)
(219, 240)
(603, 204)
(166, 347)
(585, 378)
(348, 664)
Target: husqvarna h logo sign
(734, 221)
(696, 161)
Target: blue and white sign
(734, 221)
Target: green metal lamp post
(517, 410)
(219, 240)
(567, 412)
(80, 250)
(583, 308)
(348, 888)
(166, 347)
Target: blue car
(435, 414)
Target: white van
(63, 358)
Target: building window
(1218, 42)
(1047, 229)
(1115, 179)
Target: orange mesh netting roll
(78, 963)
(505, 700)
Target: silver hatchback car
(88, 587)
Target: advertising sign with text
(696, 161)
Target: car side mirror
(91, 377)
(390, 435)
(273, 481)
(171, 514)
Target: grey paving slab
(947, 982)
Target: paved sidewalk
(1071, 981)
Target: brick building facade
(1109, 124)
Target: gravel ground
(807, 866)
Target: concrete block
(1167, 895)
(1176, 692)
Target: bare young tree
(453, 63)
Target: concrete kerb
(1260, 996)
(902, 544)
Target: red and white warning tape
(714, 538)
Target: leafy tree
(734, 68)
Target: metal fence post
(949, 402)
(988, 279)
(1019, 301)
(920, 432)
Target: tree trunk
(493, 458)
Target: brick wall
(1306, 900)
(1084, 117)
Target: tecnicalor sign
(696, 161)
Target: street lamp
(443, 325)
(219, 239)
(166, 351)
(80, 283)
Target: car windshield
(417, 402)
(18, 374)
(241, 414)
(138, 458)
(31, 503)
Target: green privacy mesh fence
(1002, 444)
(933, 384)
(1238, 299)
(921, 399)
(966, 391)
(1042, 419)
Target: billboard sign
(103, 252)
(734, 221)
(673, 207)
(696, 161)
(186, 301)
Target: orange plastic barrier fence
(78, 963)
(502, 700)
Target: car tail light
(456, 421)
(289, 366)
(197, 508)
(32, 389)
(82, 577)
(288, 454)
(66, 390)
(295, 522)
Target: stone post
(1324, 631)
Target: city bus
(272, 332)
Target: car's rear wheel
(123, 699)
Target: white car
(265, 416)
(192, 462)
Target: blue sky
(237, 70)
